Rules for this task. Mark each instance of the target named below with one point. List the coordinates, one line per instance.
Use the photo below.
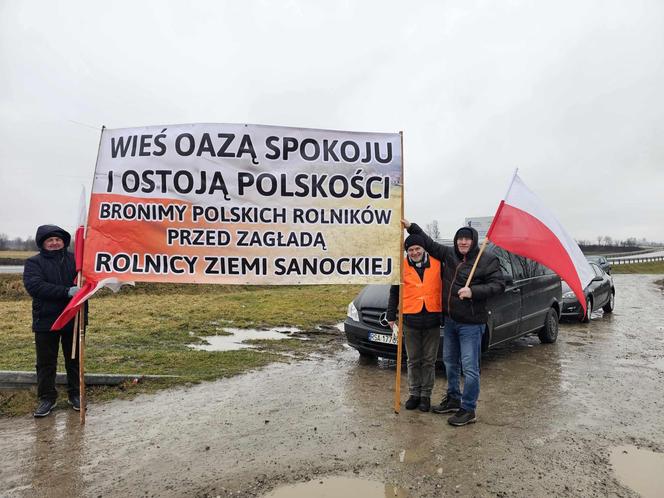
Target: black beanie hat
(414, 240)
(464, 232)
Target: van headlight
(352, 312)
(569, 295)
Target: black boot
(43, 408)
(462, 417)
(447, 405)
(413, 402)
(75, 402)
(425, 404)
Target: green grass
(17, 254)
(655, 267)
(146, 331)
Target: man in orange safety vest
(422, 307)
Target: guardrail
(629, 261)
(629, 253)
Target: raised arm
(438, 251)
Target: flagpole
(83, 325)
(81, 364)
(74, 335)
(397, 386)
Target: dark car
(531, 303)
(599, 293)
(602, 262)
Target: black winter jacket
(487, 280)
(47, 277)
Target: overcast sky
(570, 92)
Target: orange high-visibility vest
(418, 292)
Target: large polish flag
(523, 225)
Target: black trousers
(47, 344)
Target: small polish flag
(86, 292)
(79, 239)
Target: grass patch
(146, 331)
(23, 255)
(649, 268)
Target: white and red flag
(86, 292)
(524, 226)
(79, 238)
(91, 286)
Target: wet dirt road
(550, 417)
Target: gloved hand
(73, 290)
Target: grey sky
(570, 92)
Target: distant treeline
(608, 242)
(17, 244)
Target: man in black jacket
(49, 279)
(465, 316)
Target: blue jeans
(462, 346)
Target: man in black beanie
(49, 279)
(465, 316)
(421, 319)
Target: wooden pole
(397, 387)
(477, 259)
(81, 321)
(81, 362)
(75, 334)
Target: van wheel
(586, 317)
(608, 307)
(549, 333)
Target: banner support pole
(397, 386)
(83, 325)
(74, 336)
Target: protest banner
(245, 204)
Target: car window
(598, 271)
(504, 259)
(519, 267)
(535, 269)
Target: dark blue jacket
(47, 277)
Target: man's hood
(46, 231)
(473, 249)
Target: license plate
(384, 338)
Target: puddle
(640, 470)
(234, 338)
(333, 487)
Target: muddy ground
(549, 418)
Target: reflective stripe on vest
(418, 292)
